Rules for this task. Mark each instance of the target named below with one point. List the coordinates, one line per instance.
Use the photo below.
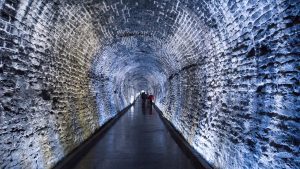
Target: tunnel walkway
(139, 140)
(225, 72)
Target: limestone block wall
(237, 99)
(47, 103)
(224, 72)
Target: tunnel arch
(225, 74)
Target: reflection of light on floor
(131, 112)
(132, 109)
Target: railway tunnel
(224, 73)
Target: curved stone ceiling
(225, 73)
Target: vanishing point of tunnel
(225, 74)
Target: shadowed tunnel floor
(138, 140)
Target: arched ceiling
(141, 38)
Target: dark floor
(138, 140)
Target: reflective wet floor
(138, 140)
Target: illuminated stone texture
(225, 73)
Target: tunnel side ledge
(196, 158)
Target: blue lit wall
(225, 73)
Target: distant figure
(151, 99)
(144, 97)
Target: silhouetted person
(150, 101)
(144, 98)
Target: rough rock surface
(225, 73)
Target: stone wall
(224, 72)
(47, 105)
(236, 97)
